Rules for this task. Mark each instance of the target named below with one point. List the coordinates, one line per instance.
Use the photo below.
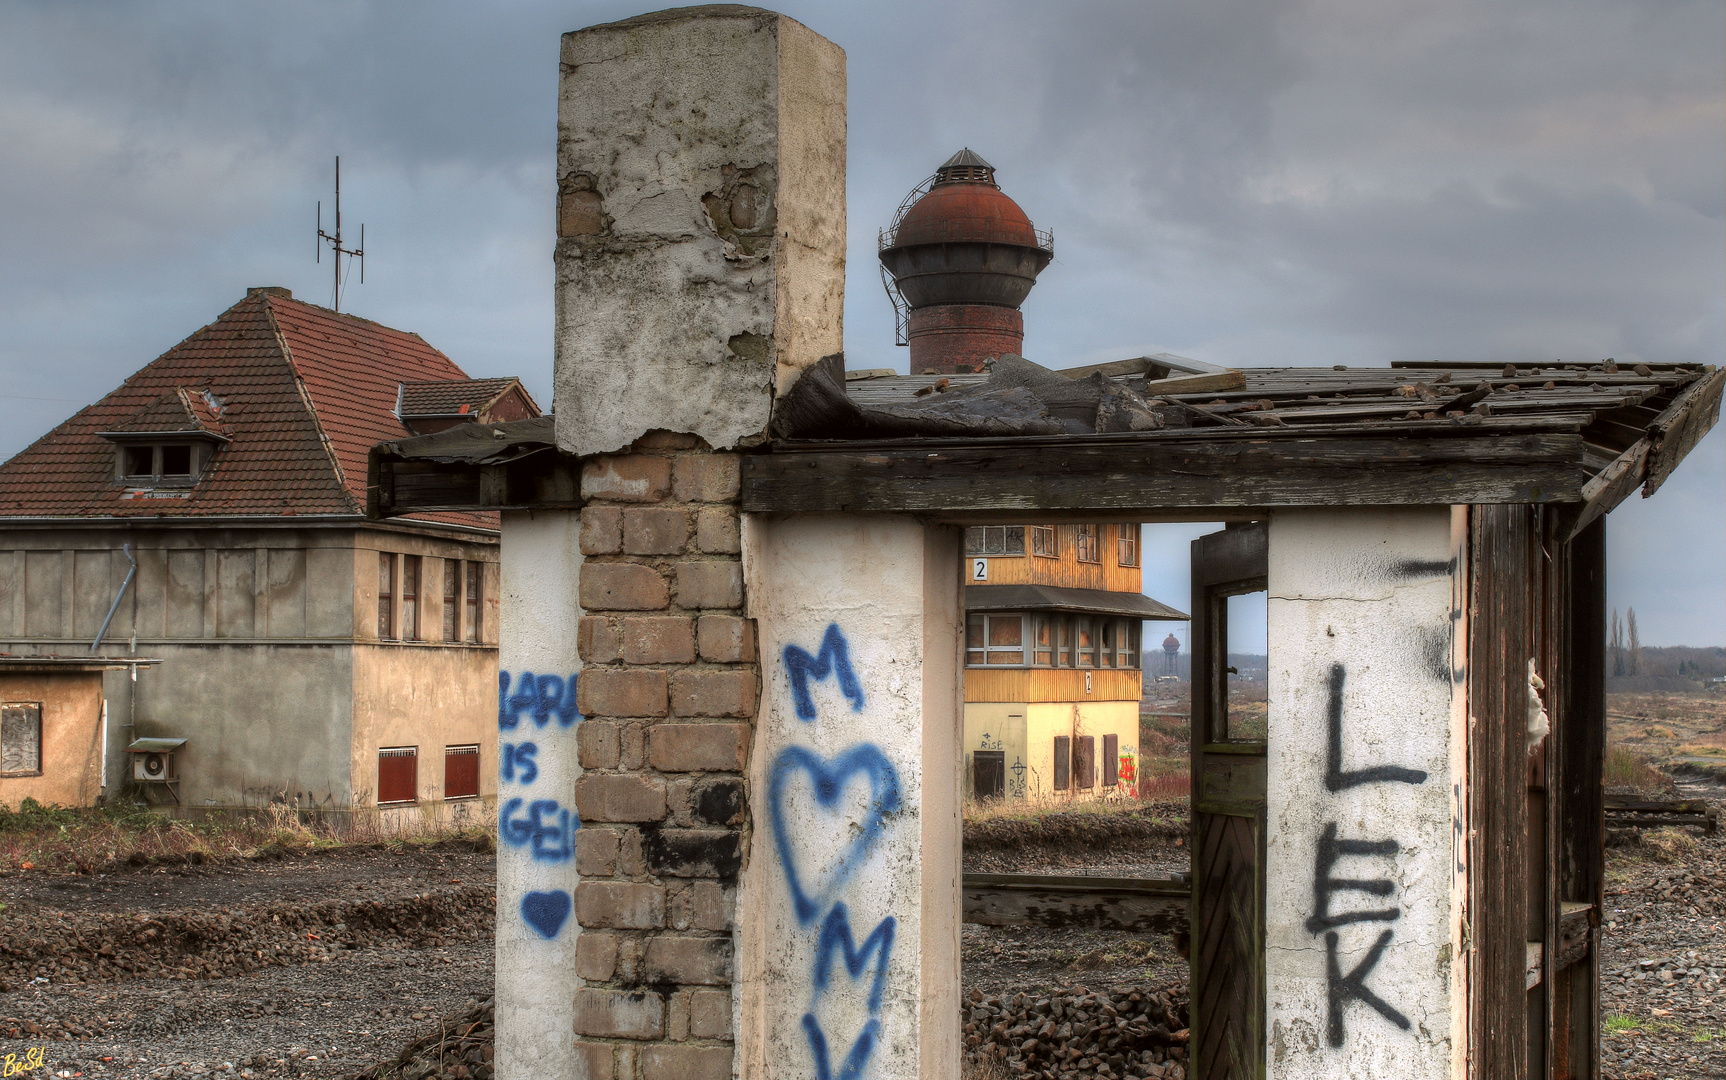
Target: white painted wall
(1365, 615)
(854, 800)
(537, 770)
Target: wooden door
(1228, 824)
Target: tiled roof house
(215, 501)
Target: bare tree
(1615, 644)
(1635, 642)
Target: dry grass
(52, 838)
(1668, 845)
(1626, 768)
(984, 1068)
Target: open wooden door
(1228, 821)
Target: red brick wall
(956, 338)
(668, 692)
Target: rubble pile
(461, 1050)
(1075, 1032)
(84, 947)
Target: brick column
(668, 693)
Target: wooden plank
(1677, 431)
(1140, 905)
(1192, 384)
(1077, 476)
(1614, 484)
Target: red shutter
(1063, 761)
(1111, 760)
(460, 772)
(1085, 762)
(398, 775)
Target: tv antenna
(335, 241)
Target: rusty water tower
(958, 260)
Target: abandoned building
(209, 512)
(739, 854)
(1053, 671)
(54, 728)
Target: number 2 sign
(979, 569)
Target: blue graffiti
(833, 659)
(541, 696)
(546, 830)
(546, 912)
(829, 779)
(516, 758)
(852, 1067)
(836, 941)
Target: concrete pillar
(701, 222)
(848, 932)
(537, 935)
(1364, 970)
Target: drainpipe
(115, 606)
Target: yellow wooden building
(1053, 672)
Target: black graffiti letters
(1324, 886)
(1352, 987)
(1335, 778)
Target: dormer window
(169, 443)
(158, 464)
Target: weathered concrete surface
(701, 222)
(1367, 728)
(536, 872)
(855, 778)
(71, 743)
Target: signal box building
(1053, 660)
(209, 512)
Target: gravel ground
(348, 998)
(1663, 957)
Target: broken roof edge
(1069, 599)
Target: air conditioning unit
(153, 760)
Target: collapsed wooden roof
(1160, 438)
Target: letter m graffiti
(834, 659)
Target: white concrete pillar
(1368, 720)
(537, 771)
(848, 920)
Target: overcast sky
(1339, 181)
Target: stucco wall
(691, 146)
(536, 869)
(848, 920)
(71, 738)
(429, 697)
(1367, 720)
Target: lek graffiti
(815, 897)
(1352, 987)
(541, 828)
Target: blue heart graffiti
(829, 778)
(546, 912)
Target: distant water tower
(1171, 648)
(958, 260)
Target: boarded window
(1085, 762)
(995, 540)
(1111, 760)
(21, 738)
(988, 773)
(461, 772)
(473, 579)
(451, 599)
(1106, 648)
(1127, 642)
(1045, 541)
(386, 595)
(1085, 632)
(398, 775)
(1128, 554)
(410, 598)
(1085, 547)
(1063, 761)
(1044, 640)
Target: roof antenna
(335, 241)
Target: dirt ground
(349, 1000)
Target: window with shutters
(21, 738)
(410, 598)
(1111, 760)
(1085, 762)
(398, 775)
(1063, 761)
(461, 772)
(452, 599)
(471, 626)
(386, 596)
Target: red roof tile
(451, 398)
(302, 392)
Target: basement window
(398, 775)
(21, 738)
(461, 772)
